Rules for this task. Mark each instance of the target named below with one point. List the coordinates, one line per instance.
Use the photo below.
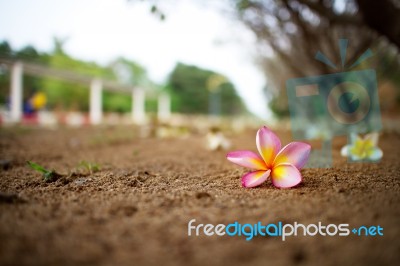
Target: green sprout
(90, 167)
(48, 175)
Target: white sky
(101, 30)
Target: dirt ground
(136, 209)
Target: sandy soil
(135, 210)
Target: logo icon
(325, 106)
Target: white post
(16, 98)
(164, 107)
(95, 102)
(138, 106)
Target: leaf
(95, 167)
(51, 176)
(48, 175)
(90, 167)
(37, 167)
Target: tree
(129, 73)
(381, 16)
(291, 32)
(72, 95)
(67, 94)
(27, 53)
(5, 52)
(191, 91)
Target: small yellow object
(217, 141)
(38, 100)
(362, 148)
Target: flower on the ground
(283, 165)
(217, 141)
(363, 148)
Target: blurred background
(156, 60)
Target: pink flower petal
(255, 178)
(247, 159)
(285, 175)
(268, 145)
(295, 153)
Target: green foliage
(116, 102)
(278, 109)
(188, 85)
(69, 95)
(131, 73)
(231, 103)
(5, 50)
(30, 83)
(48, 175)
(157, 12)
(151, 105)
(90, 167)
(190, 92)
(29, 53)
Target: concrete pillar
(96, 111)
(164, 107)
(16, 93)
(138, 106)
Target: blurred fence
(95, 85)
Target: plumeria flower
(217, 141)
(363, 148)
(283, 165)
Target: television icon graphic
(325, 106)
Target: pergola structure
(95, 84)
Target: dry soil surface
(136, 209)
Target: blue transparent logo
(325, 106)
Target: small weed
(90, 167)
(48, 175)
